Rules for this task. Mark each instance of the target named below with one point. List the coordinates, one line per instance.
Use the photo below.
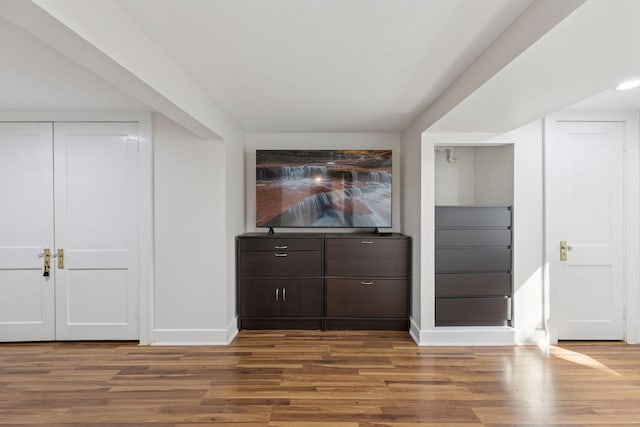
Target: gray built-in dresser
(473, 265)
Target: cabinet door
(260, 297)
(366, 298)
(301, 298)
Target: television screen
(323, 188)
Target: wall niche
(473, 235)
(474, 175)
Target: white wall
(528, 232)
(321, 141)
(480, 176)
(235, 220)
(190, 295)
(494, 175)
(455, 182)
(527, 242)
(411, 197)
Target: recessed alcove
(474, 175)
(473, 235)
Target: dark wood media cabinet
(323, 281)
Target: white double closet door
(69, 189)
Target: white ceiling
(588, 53)
(320, 65)
(610, 99)
(323, 65)
(292, 65)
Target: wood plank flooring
(317, 379)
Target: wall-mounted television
(323, 188)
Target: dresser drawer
(280, 264)
(367, 257)
(473, 260)
(473, 237)
(473, 285)
(472, 311)
(472, 216)
(366, 298)
(279, 244)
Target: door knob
(563, 250)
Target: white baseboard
(196, 336)
(414, 330)
(467, 336)
(232, 329)
(533, 337)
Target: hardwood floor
(337, 379)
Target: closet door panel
(26, 229)
(96, 226)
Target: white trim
(432, 335)
(427, 239)
(536, 337)
(73, 116)
(632, 227)
(232, 330)
(163, 337)
(631, 212)
(468, 336)
(414, 330)
(145, 190)
(145, 227)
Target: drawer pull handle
(277, 291)
(366, 283)
(280, 247)
(284, 294)
(280, 255)
(366, 242)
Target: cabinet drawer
(283, 264)
(472, 216)
(472, 311)
(473, 260)
(368, 257)
(279, 244)
(473, 237)
(473, 285)
(366, 298)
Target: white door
(72, 191)
(584, 163)
(26, 229)
(96, 227)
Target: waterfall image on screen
(323, 188)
